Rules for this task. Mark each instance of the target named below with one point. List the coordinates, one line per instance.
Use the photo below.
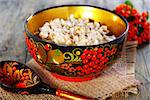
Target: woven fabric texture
(116, 81)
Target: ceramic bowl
(75, 63)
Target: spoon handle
(61, 93)
(71, 96)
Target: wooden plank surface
(141, 65)
(14, 12)
(146, 57)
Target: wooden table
(14, 12)
(142, 70)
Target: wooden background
(14, 12)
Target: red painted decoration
(20, 85)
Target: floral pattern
(31, 47)
(16, 75)
(74, 56)
(75, 62)
(93, 60)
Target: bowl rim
(52, 7)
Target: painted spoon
(18, 78)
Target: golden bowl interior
(115, 24)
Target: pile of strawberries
(139, 27)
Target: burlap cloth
(115, 82)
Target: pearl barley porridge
(75, 32)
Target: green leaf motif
(128, 2)
(51, 59)
(57, 52)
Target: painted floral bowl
(75, 63)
